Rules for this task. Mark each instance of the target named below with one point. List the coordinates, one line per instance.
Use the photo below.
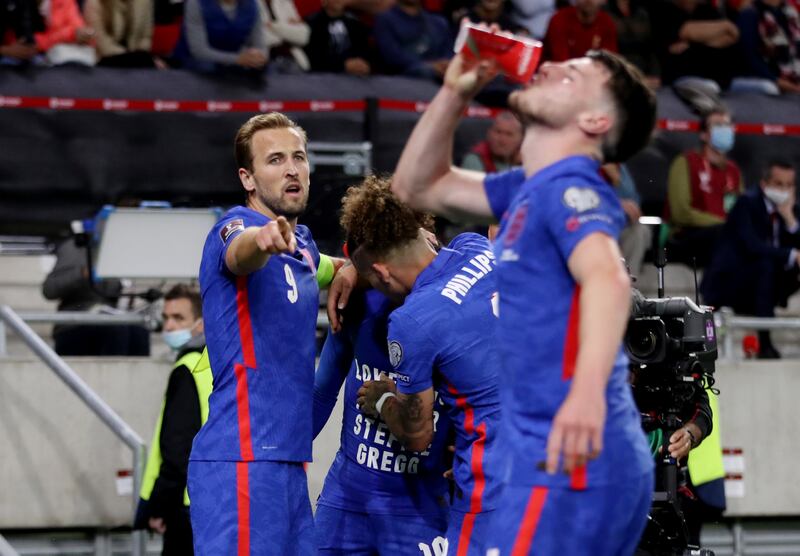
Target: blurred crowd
(713, 45)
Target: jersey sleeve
(334, 364)
(229, 227)
(572, 211)
(501, 189)
(411, 354)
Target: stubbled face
(279, 180)
(561, 92)
(178, 314)
(504, 137)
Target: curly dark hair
(373, 218)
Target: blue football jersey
(372, 473)
(543, 218)
(260, 330)
(442, 337)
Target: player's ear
(382, 272)
(247, 180)
(595, 122)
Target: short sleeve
(411, 354)
(573, 211)
(502, 188)
(226, 230)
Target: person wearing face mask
(755, 267)
(702, 187)
(163, 503)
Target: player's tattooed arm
(408, 416)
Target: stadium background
(72, 140)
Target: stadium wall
(59, 465)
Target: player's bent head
(243, 145)
(634, 103)
(379, 228)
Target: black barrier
(58, 163)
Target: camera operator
(672, 347)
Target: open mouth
(293, 189)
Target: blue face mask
(723, 137)
(176, 339)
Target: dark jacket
(328, 49)
(747, 241)
(180, 423)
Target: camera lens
(643, 345)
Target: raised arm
(252, 248)
(425, 177)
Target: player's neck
(407, 266)
(545, 146)
(255, 204)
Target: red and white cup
(517, 57)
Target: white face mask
(777, 196)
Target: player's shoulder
(512, 176)
(302, 233)
(409, 320)
(581, 187)
(469, 241)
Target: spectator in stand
(635, 238)
(695, 44)
(19, 21)
(493, 11)
(339, 42)
(287, 35)
(66, 37)
(635, 37)
(755, 266)
(575, 30)
(770, 31)
(702, 187)
(220, 35)
(500, 150)
(412, 41)
(123, 31)
(533, 15)
(167, 20)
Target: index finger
(554, 444)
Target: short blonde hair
(244, 137)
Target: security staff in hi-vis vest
(164, 502)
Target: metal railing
(727, 321)
(6, 549)
(75, 317)
(107, 415)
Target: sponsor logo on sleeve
(231, 228)
(395, 354)
(581, 199)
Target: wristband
(693, 439)
(382, 400)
